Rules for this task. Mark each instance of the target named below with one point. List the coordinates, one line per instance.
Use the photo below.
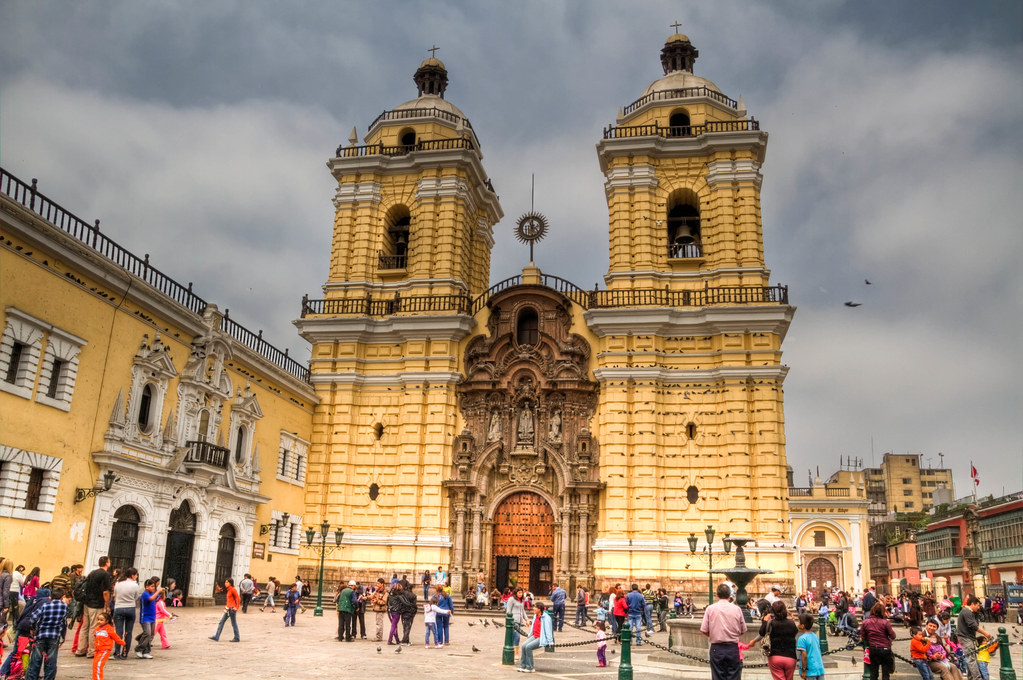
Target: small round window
(374, 491)
(692, 494)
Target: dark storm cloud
(198, 133)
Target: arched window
(204, 425)
(239, 445)
(527, 330)
(407, 137)
(678, 124)
(395, 252)
(684, 226)
(145, 417)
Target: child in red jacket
(106, 636)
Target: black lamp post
(108, 482)
(726, 542)
(324, 550)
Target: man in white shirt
(774, 595)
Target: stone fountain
(741, 575)
(685, 633)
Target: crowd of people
(98, 611)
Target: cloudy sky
(198, 132)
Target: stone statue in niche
(494, 433)
(555, 428)
(525, 438)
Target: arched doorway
(124, 536)
(177, 562)
(821, 574)
(523, 546)
(225, 561)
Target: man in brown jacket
(378, 601)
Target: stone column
(566, 526)
(584, 540)
(477, 528)
(978, 586)
(857, 557)
(940, 586)
(459, 537)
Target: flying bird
(867, 281)
(853, 304)
(475, 649)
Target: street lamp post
(726, 542)
(324, 550)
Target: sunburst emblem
(531, 227)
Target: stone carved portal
(527, 402)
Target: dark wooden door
(124, 536)
(820, 574)
(506, 567)
(225, 562)
(540, 575)
(523, 530)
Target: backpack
(81, 589)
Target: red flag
(973, 475)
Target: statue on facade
(525, 437)
(494, 433)
(555, 428)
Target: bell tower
(412, 235)
(415, 210)
(689, 340)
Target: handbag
(765, 644)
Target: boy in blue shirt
(808, 649)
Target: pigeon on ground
(475, 648)
(486, 623)
(853, 304)
(498, 625)
(471, 623)
(398, 650)
(379, 650)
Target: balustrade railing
(681, 93)
(205, 453)
(839, 492)
(392, 261)
(679, 251)
(800, 492)
(420, 112)
(28, 195)
(367, 306)
(405, 149)
(654, 130)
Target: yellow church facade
(534, 431)
(139, 421)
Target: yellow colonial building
(535, 431)
(139, 421)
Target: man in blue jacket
(637, 605)
(558, 597)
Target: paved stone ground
(268, 651)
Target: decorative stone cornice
(353, 379)
(736, 171)
(669, 375)
(625, 177)
(357, 192)
(681, 147)
(673, 321)
(392, 329)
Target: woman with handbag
(878, 633)
(778, 633)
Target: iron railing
(205, 453)
(684, 250)
(405, 149)
(392, 261)
(28, 196)
(681, 93)
(593, 299)
(421, 112)
(654, 130)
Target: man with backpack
(95, 595)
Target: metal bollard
(822, 632)
(1005, 671)
(508, 656)
(625, 664)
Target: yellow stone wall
(42, 274)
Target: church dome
(430, 101)
(677, 58)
